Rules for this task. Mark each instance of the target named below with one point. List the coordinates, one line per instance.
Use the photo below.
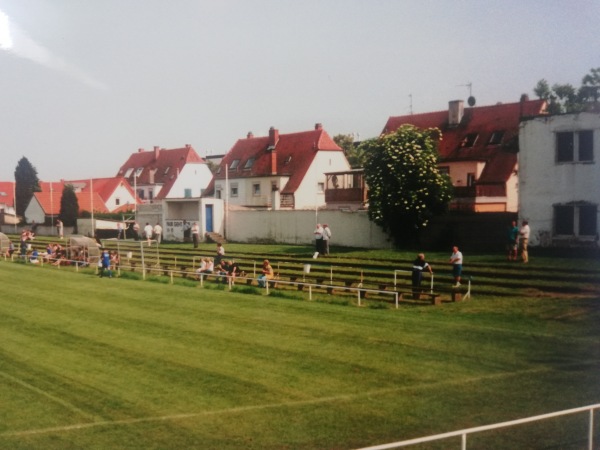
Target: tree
(406, 187)
(353, 153)
(565, 98)
(69, 206)
(26, 183)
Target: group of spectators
(322, 237)
(518, 237)
(223, 269)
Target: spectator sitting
(34, 257)
(267, 274)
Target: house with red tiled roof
(478, 150)
(7, 202)
(116, 192)
(276, 171)
(44, 206)
(166, 174)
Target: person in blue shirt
(105, 260)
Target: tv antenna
(471, 99)
(411, 105)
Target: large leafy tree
(69, 206)
(566, 98)
(406, 187)
(353, 152)
(26, 183)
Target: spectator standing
(136, 231)
(119, 230)
(187, 231)
(220, 253)
(512, 241)
(326, 239)
(419, 265)
(105, 264)
(318, 233)
(148, 230)
(59, 228)
(456, 259)
(195, 234)
(157, 232)
(524, 240)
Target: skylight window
(128, 173)
(469, 140)
(249, 163)
(234, 164)
(139, 171)
(287, 160)
(167, 170)
(496, 138)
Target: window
(469, 140)
(234, 164)
(470, 179)
(496, 138)
(287, 160)
(249, 164)
(139, 171)
(320, 187)
(117, 201)
(569, 141)
(187, 193)
(576, 220)
(233, 190)
(256, 189)
(128, 172)
(444, 170)
(167, 169)
(218, 171)
(140, 194)
(218, 193)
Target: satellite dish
(471, 100)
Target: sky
(83, 84)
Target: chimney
(188, 146)
(524, 98)
(455, 112)
(156, 152)
(140, 150)
(273, 137)
(250, 135)
(318, 126)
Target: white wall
(34, 212)
(194, 177)
(543, 182)
(352, 229)
(307, 196)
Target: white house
(559, 178)
(160, 173)
(284, 171)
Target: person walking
(524, 240)
(456, 259)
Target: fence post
(171, 274)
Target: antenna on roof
(411, 105)
(471, 99)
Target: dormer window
(234, 164)
(287, 160)
(128, 172)
(496, 138)
(469, 140)
(139, 171)
(218, 171)
(249, 163)
(167, 170)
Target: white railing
(464, 433)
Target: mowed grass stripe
(122, 350)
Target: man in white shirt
(148, 230)
(157, 233)
(195, 234)
(524, 240)
(456, 259)
(326, 238)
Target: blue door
(209, 218)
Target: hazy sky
(85, 83)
